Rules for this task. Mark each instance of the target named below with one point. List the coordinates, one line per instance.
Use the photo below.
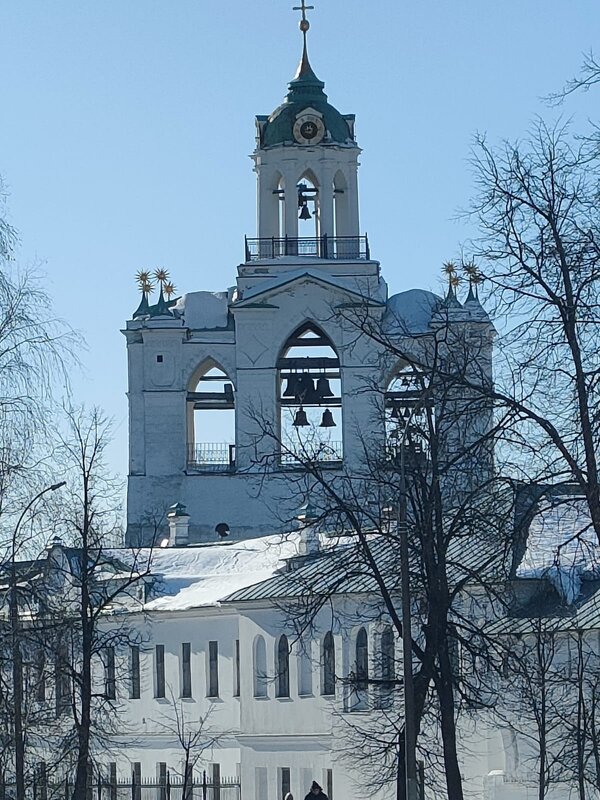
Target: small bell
(290, 389)
(328, 420)
(300, 420)
(396, 413)
(323, 387)
(305, 213)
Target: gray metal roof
(346, 569)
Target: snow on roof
(203, 310)
(410, 312)
(191, 577)
(561, 546)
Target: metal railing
(350, 248)
(211, 456)
(322, 452)
(103, 788)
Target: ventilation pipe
(309, 536)
(179, 523)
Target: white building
(283, 358)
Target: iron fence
(103, 788)
(349, 248)
(211, 456)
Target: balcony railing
(211, 457)
(344, 248)
(322, 452)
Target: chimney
(309, 536)
(179, 522)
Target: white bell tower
(306, 160)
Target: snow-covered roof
(410, 312)
(561, 546)
(204, 310)
(192, 577)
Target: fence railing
(349, 248)
(211, 456)
(102, 788)
(313, 451)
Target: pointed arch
(310, 396)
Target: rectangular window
(215, 776)
(159, 670)
(213, 669)
(261, 784)
(186, 669)
(161, 777)
(284, 782)
(112, 780)
(110, 682)
(41, 781)
(136, 780)
(134, 673)
(236, 670)
(329, 783)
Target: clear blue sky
(126, 125)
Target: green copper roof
(305, 90)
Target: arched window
(328, 664)
(409, 413)
(305, 685)
(260, 667)
(362, 661)
(283, 667)
(310, 397)
(211, 420)
(387, 662)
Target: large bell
(323, 387)
(290, 389)
(305, 213)
(304, 388)
(300, 420)
(328, 420)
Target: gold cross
(303, 8)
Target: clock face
(309, 129)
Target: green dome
(305, 91)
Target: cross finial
(304, 23)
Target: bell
(290, 389)
(396, 413)
(300, 420)
(323, 387)
(328, 420)
(304, 388)
(305, 213)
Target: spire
(305, 82)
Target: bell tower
(306, 160)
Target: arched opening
(260, 667)
(305, 686)
(358, 697)
(282, 657)
(310, 397)
(211, 420)
(328, 664)
(387, 666)
(309, 212)
(409, 414)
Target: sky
(126, 126)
